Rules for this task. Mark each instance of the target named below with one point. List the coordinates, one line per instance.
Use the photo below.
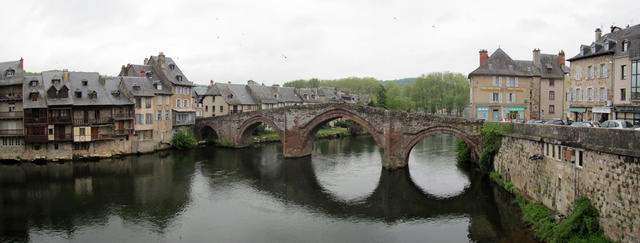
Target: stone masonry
(395, 132)
(609, 175)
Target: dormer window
(63, 92)
(172, 66)
(313, 96)
(230, 96)
(179, 77)
(85, 82)
(78, 94)
(33, 83)
(159, 86)
(93, 94)
(55, 81)
(10, 73)
(510, 67)
(148, 74)
(275, 96)
(136, 87)
(490, 65)
(625, 46)
(593, 48)
(306, 97)
(34, 96)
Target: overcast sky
(278, 41)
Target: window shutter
(490, 97)
(597, 94)
(500, 81)
(500, 97)
(495, 81)
(606, 70)
(606, 94)
(514, 98)
(516, 82)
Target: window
(138, 102)
(579, 94)
(604, 72)
(578, 73)
(147, 102)
(55, 81)
(55, 146)
(591, 72)
(623, 94)
(166, 114)
(623, 72)
(159, 100)
(12, 107)
(149, 118)
(178, 77)
(188, 103)
(167, 101)
(551, 83)
(158, 115)
(139, 119)
(177, 102)
(33, 83)
(494, 97)
(591, 96)
(83, 131)
(10, 73)
(511, 81)
(512, 98)
(625, 45)
(172, 66)
(221, 108)
(552, 109)
(552, 95)
(85, 82)
(78, 94)
(635, 80)
(603, 94)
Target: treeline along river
(210, 194)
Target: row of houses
(61, 114)
(220, 99)
(601, 82)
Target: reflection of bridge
(395, 199)
(395, 132)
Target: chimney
(142, 72)
(536, 57)
(102, 79)
(65, 74)
(162, 60)
(123, 70)
(146, 60)
(211, 83)
(21, 63)
(277, 86)
(561, 58)
(598, 34)
(484, 55)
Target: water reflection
(249, 195)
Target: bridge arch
(243, 137)
(312, 127)
(208, 133)
(472, 142)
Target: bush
(344, 123)
(491, 142)
(183, 139)
(464, 152)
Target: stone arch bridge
(395, 132)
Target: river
(339, 194)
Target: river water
(340, 194)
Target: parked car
(618, 124)
(558, 122)
(582, 124)
(534, 121)
(594, 123)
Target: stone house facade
(11, 110)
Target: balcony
(11, 132)
(101, 136)
(92, 121)
(10, 96)
(60, 119)
(36, 120)
(63, 137)
(120, 132)
(11, 115)
(36, 138)
(123, 116)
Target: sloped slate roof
(200, 90)
(212, 91)
(235, 94)
(47, 78)
(288, 95)
(94, 85)
(115, 94)
(172, 73)
(311, 95)
(263, 94)
(27, 89)
(614, 41)
(328, 93)
(17, 77)
(548, 60)
(499, 63)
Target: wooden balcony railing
(11, 132)
(60, 119)
(91, 121)
(126, 131)
(10, 96)
(11, 115)
(123, 116)
(63, 137)
(101, 136)
(36, 138)
(36, 120)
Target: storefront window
(483, 113)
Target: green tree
(183, 139)
(382, 97)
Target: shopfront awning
(572, 109)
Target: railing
(9, 132)
(123, 116)
(63, 137)
(184, 122)
(10, 96)
(101, 136)
(60, 119)
(89, 121)
(126, 131)
(35, 120)
(36, 138)
(12, 114)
